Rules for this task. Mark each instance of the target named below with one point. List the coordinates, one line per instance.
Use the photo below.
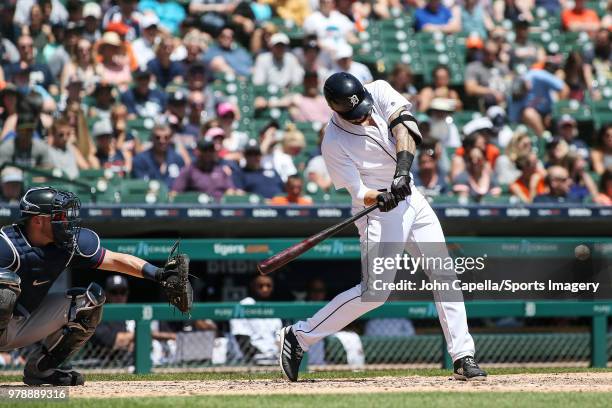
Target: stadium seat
(242, 199)
(191, 197)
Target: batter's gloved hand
(386, 201)
(400, 187)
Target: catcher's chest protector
(37, 267)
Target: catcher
(45, 241)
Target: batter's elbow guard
(410, 123)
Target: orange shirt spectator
(491, 153)
(293, 187)
(580, 18)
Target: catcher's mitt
(174, 279)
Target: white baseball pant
(413, 222)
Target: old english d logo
(354, 100)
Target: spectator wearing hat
(253, 178)
(142, 100)
(478, 179)
(170, 13)
(497, 115)
(92, 16)
(313, 60)
(125, 12)
(227, 57)
(107, 152)
(558, 184)
(440, 89)
(103, 100)
(176, 116)
(478, 134)
(568, 131)
(144, 46)
(308, 106)
(524, 51)
(487, 79)
(163, 68)
(227, 113)
(428, 178)
(278, 66)
(24, 149)
(530, 181)
(62, 153)
(114, 67)
(161, 161)
(81, 66)
(580, 18)
(294, 187)
(434, 16)
(37, 73)
(207, 174)
(601, 154)
(343, 58)
(216, 135)
(442, 128)
(12, 185)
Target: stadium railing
(143, 314)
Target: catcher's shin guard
(85, 313)
(9, 292)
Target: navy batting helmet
(347, 96)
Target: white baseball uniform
(359, 159)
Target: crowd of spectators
(74, 75)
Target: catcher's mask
(63, 208)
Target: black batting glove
(400, 187)
(386, 201)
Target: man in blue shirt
(141, 100)
(160, 162)
(252, 178)
(435, 17)
(228, 57)
(162, 67)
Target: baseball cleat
(466, 369)
(53, 377)
(290, 354)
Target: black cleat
(56, 377)
(290, 354)
(466, 369)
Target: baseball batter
(46, 241)
(369, 146)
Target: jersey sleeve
(89, 253)
(342, 170)
(387, 98)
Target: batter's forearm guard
(404, 163)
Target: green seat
(242, 199)
(602, 112)
(91, 174)
(445, 199)
(140, 128)
(579, 111)
(192, 197)
(502, 199)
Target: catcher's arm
(173, 277)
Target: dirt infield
(562, 382)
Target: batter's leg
(427, 239)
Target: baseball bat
(289, 254)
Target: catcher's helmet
(63, 208)
(347, 96)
